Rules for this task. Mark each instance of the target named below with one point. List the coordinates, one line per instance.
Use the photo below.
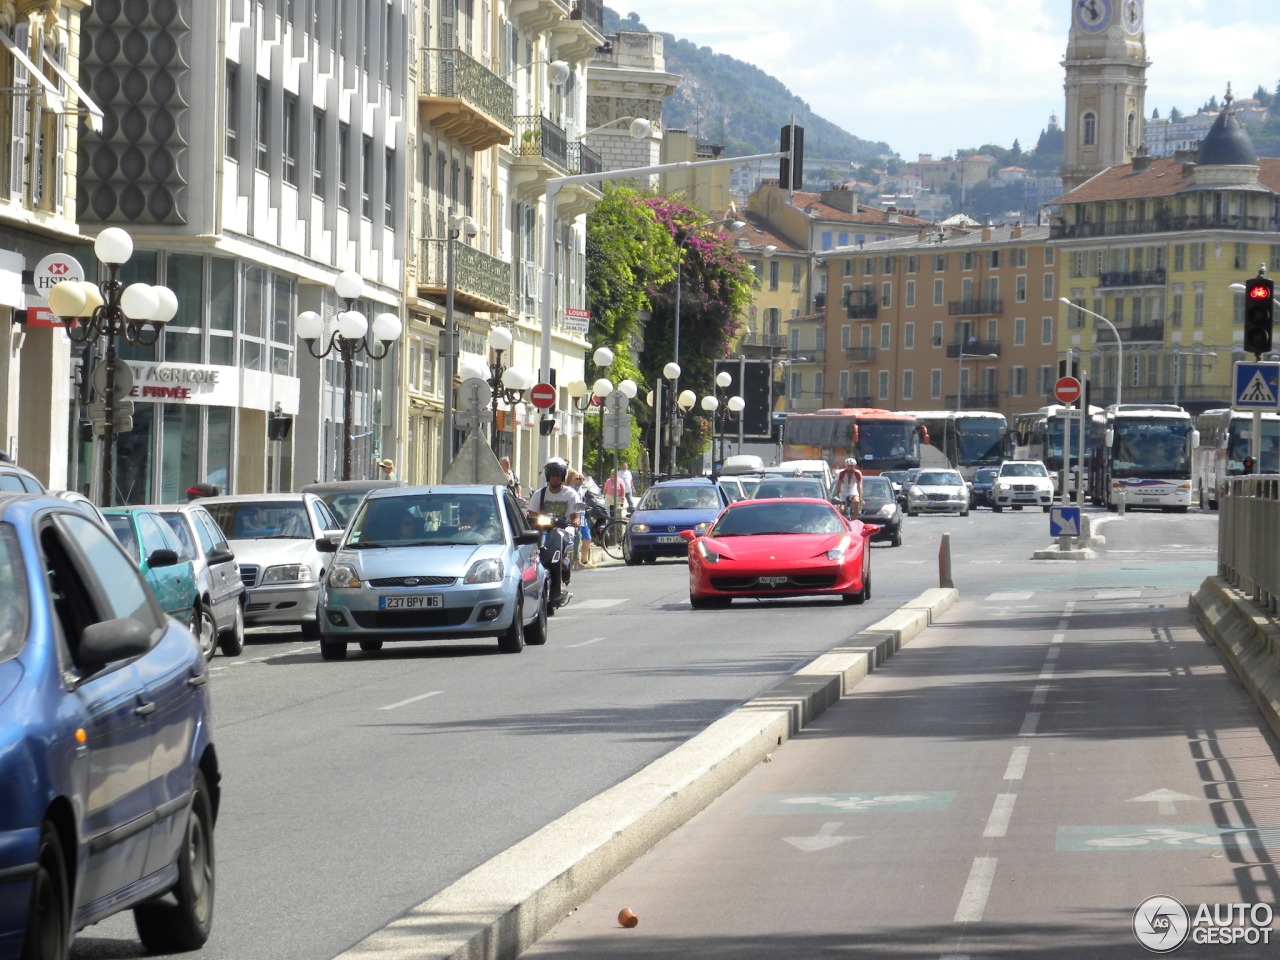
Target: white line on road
(976, 890)
(1047, 672)
(421, 696)
(597, 604)
(1052, 654)
(1029, 724)
(1039, 693)
(1009, 595)
(1017, 763)
(1058, 637)
(570, 646)
(998, 822)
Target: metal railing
(969, 308)
(753, 339)
(1132, 278)
(582, 159)
(860, 354)
(862, 311)
(539, 137)
(1117, 228)
(973, 349)
(1143, 332)
(974, 400)
(452, 74)
(590, 12)
(475, 272)
(1248, 531)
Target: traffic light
(1258, 306)
(791, 170)
(1248, 465)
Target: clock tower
(1106, 79)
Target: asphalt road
(354, 790)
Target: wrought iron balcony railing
(860, 354)
(1119, 228)
(973, 349)
(969, 308)
(973, 400)
(582, 159)
(1148, 332)
(539, 137)
(771, 340)
(1132, 278)
(481, 283)
(590, 12)
(466, 99)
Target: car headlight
(1002, 486)
(639, 528)
(484, 571)
(289, 572)
(886, 510)
(708, 555)
(343, 575)
(701, 528)
(837, 552)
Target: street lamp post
(507, 384)
(109, 309)
(1119, 344)
(722, 413)
(347, 333)
(735, 226)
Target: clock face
(1131, 16)
(1093, 16)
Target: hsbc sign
(53, 269)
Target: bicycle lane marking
(1149, 838)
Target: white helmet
(851, 462)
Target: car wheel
(231, 642)
(513, 640)
(333, 649)
(897, 537)
(205, 629)
(370, 646)
(996, 508)
(964, 512)
(311, 628)
(709, 603)
(49, 915)
(628, 555)
(1047, 508)
(174, 927)
(911, 513)
(863, 594)
(536, 633)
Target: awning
(54, 100)
(95, 111)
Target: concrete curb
(1249, 640)
(503, 906)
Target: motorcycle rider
(557, 499)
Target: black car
(980, 489)
(880, 506)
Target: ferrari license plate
(773, 581)
(411, 603)
(669, 539)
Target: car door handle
(199, 681)
(143, 709)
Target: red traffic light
(1258, 291)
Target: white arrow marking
(1163, 798)
(823, 839)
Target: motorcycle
(597, 513)
(555, 551)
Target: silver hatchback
(222, 593)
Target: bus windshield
(1238, 442)
(887, 445)
(1151, 448)
(980, 442)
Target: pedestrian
(575, 481)
(388, 469)
(616, 493)
(624, 474)
(513, 482)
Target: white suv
(1022, 483)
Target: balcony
(774, 341)
(465, 100)
(862, 311)
(862, 400)
(1132, 278)
(809, 356)
(1120, 228)
(539, 138)
(582, 159)
(973, 308)
(973, 349)
(576, 36)
(482, 284)
(974, 400)
(1144, 333)
(860, 354)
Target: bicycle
(615, 531)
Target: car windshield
(753, 518)
(876, 488)
(178, 524)
(271, 520)
(790, 487)
(688, 497)
(939, 478)
(984, 476)
(1023, 470)
(435, 519)
(13, 587)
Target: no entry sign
(543, 396)
(1067, 390)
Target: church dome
(1226, 144)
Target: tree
(1175, 115)
(1155, 114)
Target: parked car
(779, 548)
(111, 783)
(343, 496)
(81, 502)
(13, 477)
(1022, 483)
(938, 491)
(667, 507)
(880, 507)
(435, 563)
(217, 572)
(980, 488)
(273, 536)
(165, 565)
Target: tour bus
(880, 439)
(1144, 457)
(1225, 441)
(969, 439)
(1038, 436)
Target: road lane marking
(1029, 724)
(1010, 595)
(1047, 672)
(402, 703)
(584, 643)
(1117, 594)
(1039, 693)
(1052, 653)
(598, 604)
(1001, 811)
(976, 890)
(1017, 763)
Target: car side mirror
(328, 544)
(870, 529)
(528, 538)
(221, 555)
(164, 557)
(688, 535)
(111, 640)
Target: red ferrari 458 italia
(780, 548)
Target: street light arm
(1119, 343)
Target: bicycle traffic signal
(1258, 307)
(1248, 465)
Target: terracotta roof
(865, 214)
(1164, 178)
(760, 235)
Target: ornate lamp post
(347, 333)
(109, 309)
(722, 414)
(506, 384)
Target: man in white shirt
(624, 474)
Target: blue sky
(931, 76)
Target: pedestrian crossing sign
(1257, 386)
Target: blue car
(109, 783)
(653, 529)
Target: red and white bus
(880, 439)
(1225, 441)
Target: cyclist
(849, 488)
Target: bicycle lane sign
(1164, 837)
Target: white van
(810, 468)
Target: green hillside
(727, 101)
